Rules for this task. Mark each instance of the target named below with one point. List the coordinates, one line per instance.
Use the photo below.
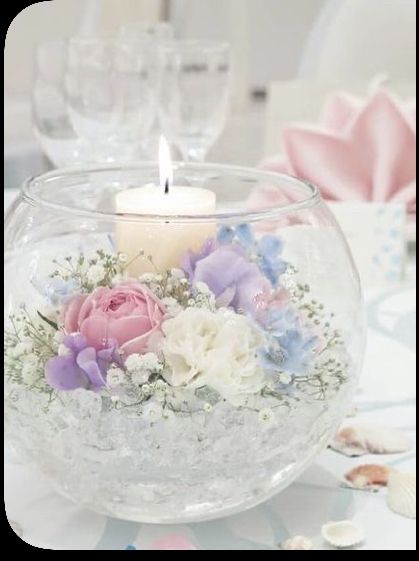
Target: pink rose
(128, 313)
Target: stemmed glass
(111, 94)
(195, 79)
(51, 123)
(155, 33)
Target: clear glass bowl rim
(311, 199)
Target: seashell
(357, 440)
(368, 475)
(401, 496)
(297, 543)
(343, 534)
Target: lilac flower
(82, 367)
(191, 259)
(266, 253)
(228, 273)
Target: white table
(386, 396)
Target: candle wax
(165, 241)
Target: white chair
(355, 39)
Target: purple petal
(76, 342)
(191, 259)
(249, 287)
(62, 373)
(227, 297)
(220, 270)
(87, 361)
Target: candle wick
(166, 187)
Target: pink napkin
(361, 151)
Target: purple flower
(231, 277)
(82, 367)
(191, 259)
(266, 252)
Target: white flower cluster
(22, 360)
(266, 417)
(115, 377)
(140, 367)
(216, 349)
(203, 297)
(96, 273)
(176, 292)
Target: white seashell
(343, 534)
(401, 496)
(368, 476)
(297, 543)
(357, 440)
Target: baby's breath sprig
(29, 344)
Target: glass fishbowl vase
(176, 354)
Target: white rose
(216, 349)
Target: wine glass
(195, 78)
(52, 126)
(155, 33)
(111, 94)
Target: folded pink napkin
(360, 151)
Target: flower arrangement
(231, 325)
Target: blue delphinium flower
(278, 322)
(266, 253)
(57, 290)
(290, 352)
(288, 349)
(270, 261)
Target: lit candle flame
(165, 165)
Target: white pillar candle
(164, 241)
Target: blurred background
(321, 89)
(287, 54)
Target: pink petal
(359, 152)
(383, 129)
(340, 111)
(129, 328)
(339, 169)
(140, 344)
(71, 314)
(96, 331)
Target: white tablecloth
(386, 396)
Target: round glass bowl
(181, 365)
